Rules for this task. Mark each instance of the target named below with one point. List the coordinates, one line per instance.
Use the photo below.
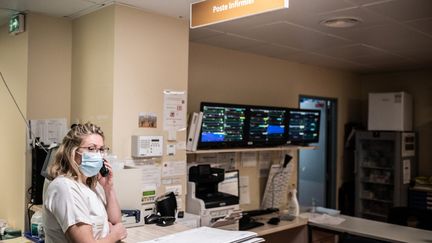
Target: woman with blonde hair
(80, 205)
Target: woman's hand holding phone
(104, 170)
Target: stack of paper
(326, 219)
(209, 235)
(194, 129)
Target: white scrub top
(68, 202)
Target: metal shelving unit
(382, 158)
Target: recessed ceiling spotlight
(341, 22)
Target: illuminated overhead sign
(216, 11)
(16, 24)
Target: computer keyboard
(257, 212)
(249, 225)
(246, 222)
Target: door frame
(331, 148)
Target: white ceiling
(394, 34)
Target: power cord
(35, 141)
(28, 214)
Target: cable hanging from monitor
(35, 141)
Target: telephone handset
(104, 170)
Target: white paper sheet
(325, 219)
(249, 159)
(254, 240)
(174, 168)
(49, 130)
(244, 190)
(181, 145)
(171, 181)
(176, 189)
(205, 234)
(210, 158)
(226, 157)
(264, 161)
(151, 171)
(174, 110)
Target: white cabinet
(390, 112)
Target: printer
(216, 209)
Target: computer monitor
(223, 125)
(231, 183)
(303, 126)
(266, 126)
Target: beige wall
(151, 55)
(419, 85)
(13, 65)
(37, 66)
(50, 49)
(221, 75)
(138, 53)
(123, 60)
(49, 72)
(92, 69)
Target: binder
(197, 132)
(192, 129)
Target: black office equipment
(303, 126)
(266, 126)
(166, 205)
(132, 213)
(223, 125)
(216, 207)
(247, 222)
(38, 158)
(258, 212)
(206, 181)
(233, 125)
(49, 159)
(274, 221)
(159, 220)
(231, 183)
(165, 221)
(151, 218)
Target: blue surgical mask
(91, 163)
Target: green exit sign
(16, 24)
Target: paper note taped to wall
(249, 159)
(48, 131)
(244, 190)
(174, 110)
(264, 162)
(174, 168)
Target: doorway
(317, 168)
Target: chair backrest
(399, 215)
(422, 218)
